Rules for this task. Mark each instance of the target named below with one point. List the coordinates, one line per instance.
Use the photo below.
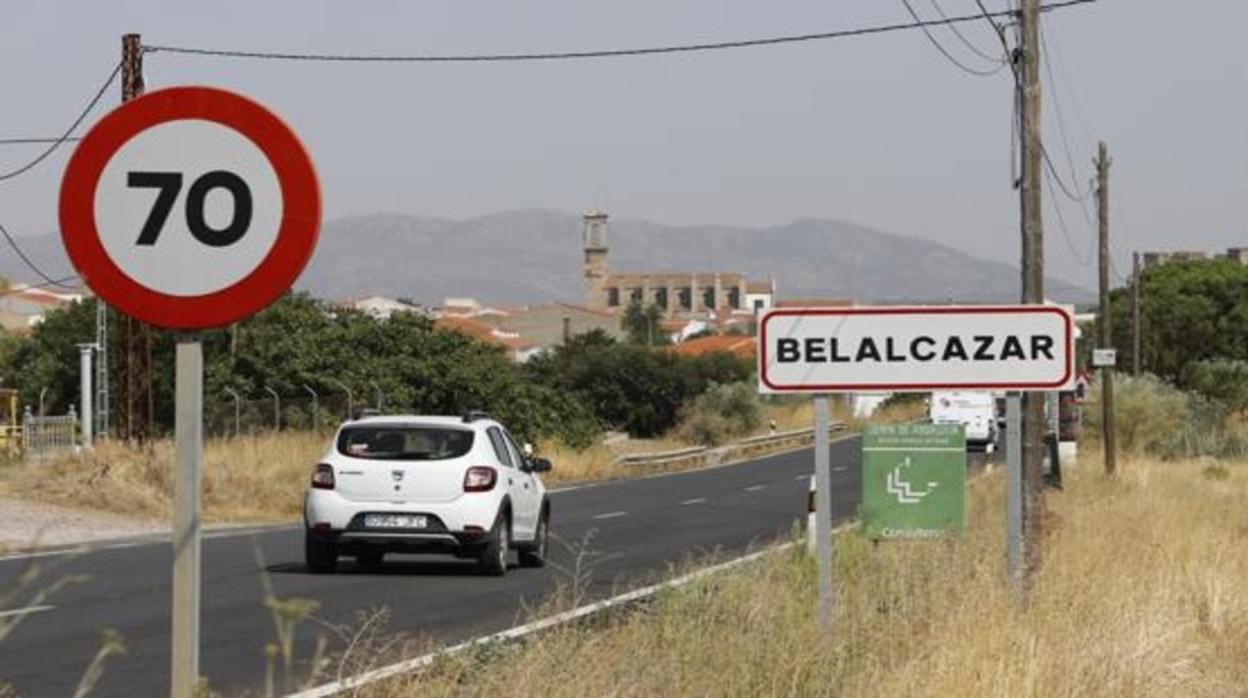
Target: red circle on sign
(273, 276)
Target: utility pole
(1136, 282)
(1027, 72)
(138, 336)
(1108, 438)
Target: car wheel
(493, 560)
(534, 554)
(320, 555)
(369, 559)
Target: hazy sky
(878, 130)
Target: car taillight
(480, 478)
(323, 477)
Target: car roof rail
(473, 415)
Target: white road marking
(24, 611)
(803, 477)
(611, 515)
(755, 488)
(699, 500)
(840, 468)
(354, 682)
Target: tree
(643, 324)
(1190, 311)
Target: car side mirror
(540, 465)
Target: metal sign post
(1014, 490)
(160, 257)
(189, 446)
(823, 509)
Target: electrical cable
(1084, 260)
(1061, 127)
(945, 52)
(967, 42)
(22, 255)
(43, 284)
(38, 141)
(72, 127)
(574, 55)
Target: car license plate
(395, 521)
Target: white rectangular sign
(1104, 358)
(916, 349)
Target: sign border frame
(277, 271)
(1068, 322)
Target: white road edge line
(519, 631)
(698, 500)
(24, 611)
(611, 515)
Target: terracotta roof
(760, 286)
(744, 347)
(479, 330)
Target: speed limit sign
(190, 207)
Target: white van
(975, 410)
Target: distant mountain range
(535, 255)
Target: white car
(407, 484)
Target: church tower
(595, 270)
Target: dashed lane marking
(699, 500)
(611, 515)
(755, 488)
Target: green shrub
(1159, 419)
(722, 411)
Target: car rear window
(404, 442)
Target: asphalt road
(640, 528)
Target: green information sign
(913, 480)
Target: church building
(677, 293)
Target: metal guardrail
(664, 457)
(703, 455)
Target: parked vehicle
(417, 484)
(974, 410)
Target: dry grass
(250, 478)
(1141, 594)
(263, 477)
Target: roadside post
(1014, 491)
(823, 351)
(823, 509)
(189, 208)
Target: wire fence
(226, 415)
(49, 436)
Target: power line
(1084, 260)
(610, 53)
(43, 284)
(22, 255)
(945, 52)
(988, 16)
(1061, 127)
(1080, 197)
(967, 42)
(37, 141)
(72, 127)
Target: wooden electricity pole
(138, 335)
(1028, 75)
(1106, 334)
(1136, 282)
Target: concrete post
(84, 414)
